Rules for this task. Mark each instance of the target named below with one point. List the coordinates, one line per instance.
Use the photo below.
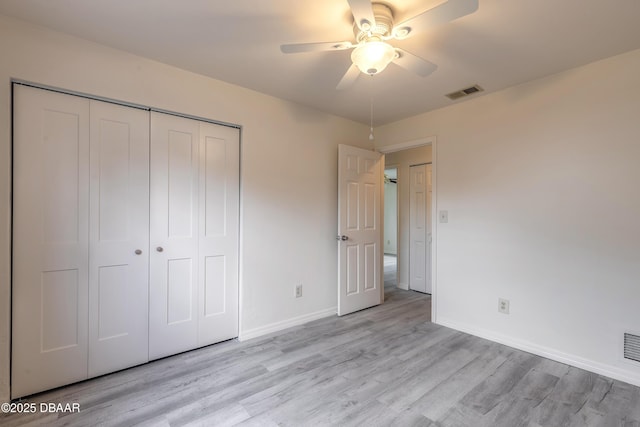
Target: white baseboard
(610, 371)
(404, 286)
(284, 324)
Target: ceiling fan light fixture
(373, 57)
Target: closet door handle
(138, 251)
(159, 249)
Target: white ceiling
(504, 43)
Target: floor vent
(632, 347)
(464, 92)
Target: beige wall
(541, 185)
(289, 167)
(403, 160)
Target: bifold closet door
(173, 265)
(80, 213)
(119, 238)
(194, 234)
(50, 240)
(219, 214)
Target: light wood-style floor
(384, 366)
(390, 271)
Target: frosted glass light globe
(373, 57)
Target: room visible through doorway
(390, 227)
(397, 214)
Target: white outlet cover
(503, 305)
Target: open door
(359, 229)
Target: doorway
(401, 157)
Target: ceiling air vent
(632, 347)
(464, 92)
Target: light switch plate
(444, 216)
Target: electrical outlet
(503, 305)
(298, 291)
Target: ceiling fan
(373, 26)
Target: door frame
(432, 141)
(384, 195)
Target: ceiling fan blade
(363, 16)
(445, 12)
(413, 63)
(349, 78)
(315, 47)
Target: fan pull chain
(371, 137)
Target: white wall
(390, 218)
(403, 160)
(541, 182)
(289, 167)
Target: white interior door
(219, 214)
(119, 237)
(50, 240)
(173, 264)
(420, 228)
(359, 229)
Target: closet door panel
(119, 238)
(125, 237)
(218, 239)
(50, 240)
(174, 235)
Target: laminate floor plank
(260, 388)
(617, 406)
(137, 407)
(488, 394)
(317, 346)
(429, 337)
(261, 421)
(278, 394)
(460, 416)
(226, 417)
(568, 397)
(411, 389)
(384, 366)
(409, 418)
(438, 401)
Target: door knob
(159, 249)
(138, 251)
(342, 237)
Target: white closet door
(173, 293)
(50, 240)
(418, 229)
(218, 233)
(119, 238)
